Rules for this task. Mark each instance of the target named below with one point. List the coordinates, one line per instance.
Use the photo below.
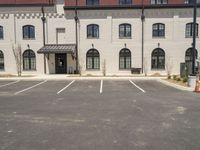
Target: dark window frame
(125, 34)
(93, 54)
(30, 56)
(158, 30)
(92, 2)
(125, 2)
(190, 27)
(94, 30)
(188, 55)
(125, 54)
(159, 2)
(2, 65)
(27, 29)
(1, 33)
(158, 54)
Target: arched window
(125, 59)
(125, 2)
(188, 55)
(158, 59)
(125, 30)
(1, 60)
(158, 30)
(189, 30)
(93, 31)
(28, 32)
(1, 33)
(93, 59)
(29, 60)
(92, 2)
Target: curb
(80, 78)
(179, 87)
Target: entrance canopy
(57, 48)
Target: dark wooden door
(61, 63)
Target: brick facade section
(115, 2)
(7, 2)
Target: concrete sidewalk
(78, 77)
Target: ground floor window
(29, 60)
(188, 55)
(93, 59)
(158, 59)
(125, 59)
(1, 60)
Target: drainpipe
(194, 37)
(44, 40)
(76, 26)
(142, 19)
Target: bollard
(197, 84)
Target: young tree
(169, 65)
(17, 51)
(104, 68)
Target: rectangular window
(92, 2)
(159, 2)
(125, 2)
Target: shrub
(185, 79)
(174, 77)
(169, 77)
(178, 79)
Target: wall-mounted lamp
(158, 45)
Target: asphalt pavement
(97, 115)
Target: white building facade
(109, 41)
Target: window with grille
(29, 60)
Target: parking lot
(97, 115)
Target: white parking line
(138, 87)
(101, 87)
(9, 83)
(30, 87)
(65, 87)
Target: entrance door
(61, 63)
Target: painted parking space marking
(101, 87)
(10, 83)
(137, 86)
(24, 90)
(65, 87)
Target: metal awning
(57, 48)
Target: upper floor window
(191, 1)
(92, 2)
(159, 1)
(28, 32)
(189, 30)
(158, 30)
(125, 30)
(125, 2)
(93, 31)
(1, 32)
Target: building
(96, 37)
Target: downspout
(194, 37)
(44, 37)
(142, 19)
(76, 26)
